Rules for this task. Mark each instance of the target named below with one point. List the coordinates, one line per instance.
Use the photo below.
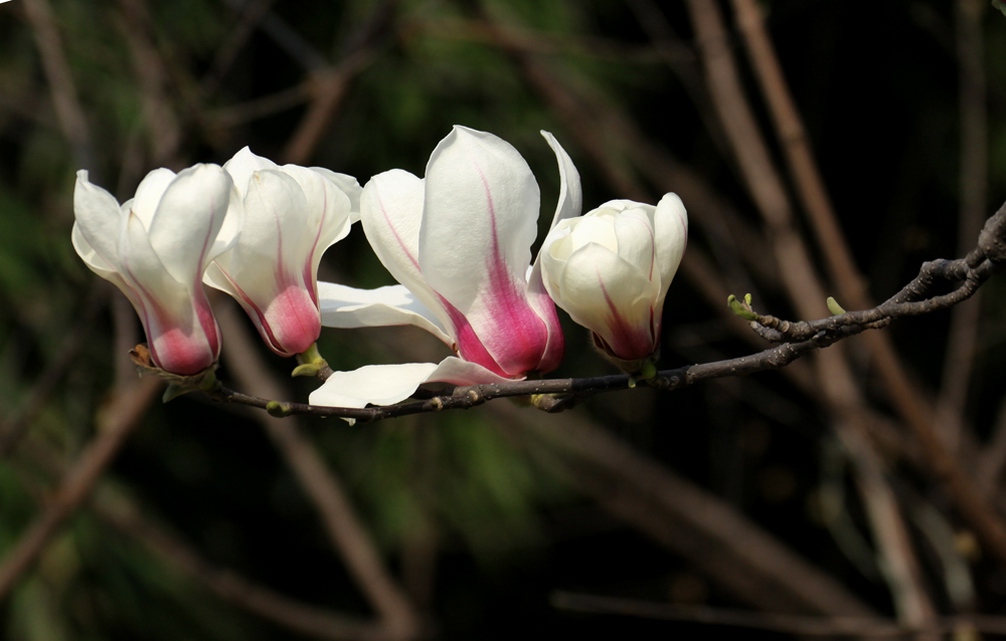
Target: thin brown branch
(800, 338)
(115, 423)
(346, 533)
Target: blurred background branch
(817, 154)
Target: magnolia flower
(610, 270)
(155, 248)
(291, 216)
(459, 242)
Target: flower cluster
(458, 240)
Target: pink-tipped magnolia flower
(155, 248)
(459, 242)
(291, 216)
(610, 270)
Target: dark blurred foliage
(477, 524)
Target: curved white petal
(245, 163)
(372, 384)
(391, 211)
(98, 264)
(148, 194)
(570, 193)
(349, 307)
(188, 218)
(389, 384)
(98, 222)
(328, 210)
(634, 231)
(349, 186)
(458, 371)
(608, 295)
(671, 229)
(481, 210)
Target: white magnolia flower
(610, 270)
(291, 216)
(155, 248)
(459, 242)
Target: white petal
(349, 186)
(191, 212)
(245, 163)
(99, 265)
(389, 384)
(99, 222)
(635, 234)
(601, 290)
(671, 231)
(372, 384)
(149, 193)
(328, 209)
(570, 193)
(391, 210)
(480, 217)
(348, 307)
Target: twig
(800, 339)
(114, 425)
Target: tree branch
(797, 339)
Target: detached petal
(389, 384)
(371, 384)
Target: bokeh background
(865, 482)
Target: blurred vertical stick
(963, 334)
(163, 129)
(839, 389)
(64, 93)
(914, 409)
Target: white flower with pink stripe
(459, 242)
